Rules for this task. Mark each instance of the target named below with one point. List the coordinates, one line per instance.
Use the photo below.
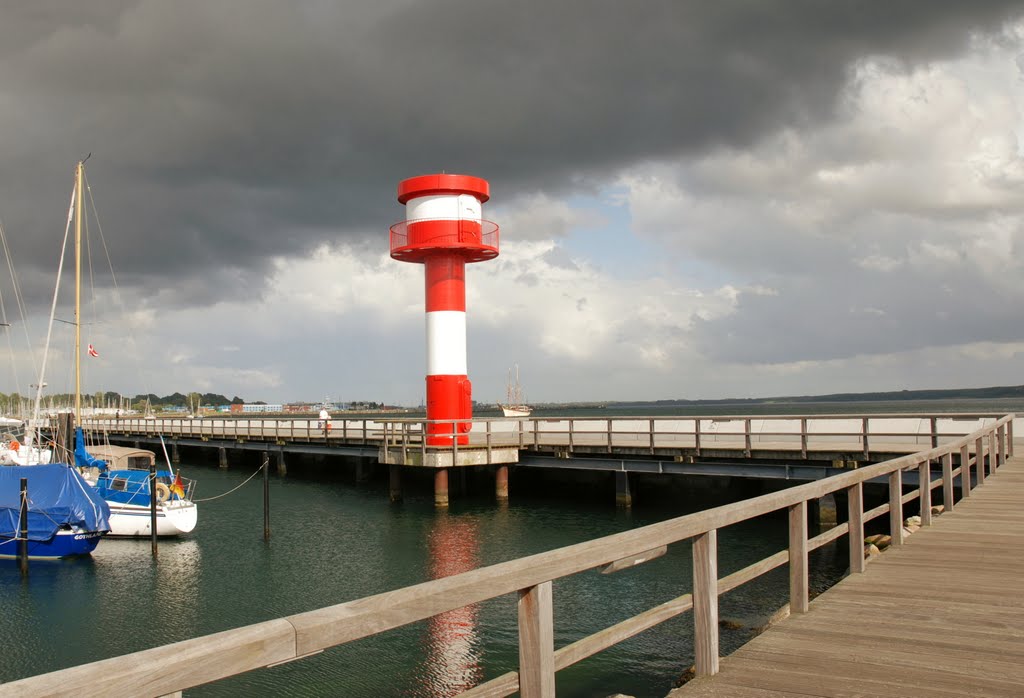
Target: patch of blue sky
(607, 240)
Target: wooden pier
(942, 615)
(938, 615)
(787, 447)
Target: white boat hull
(516, 410)
(130, 520)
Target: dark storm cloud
(227, 132)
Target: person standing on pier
(325, 420)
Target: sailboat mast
(78, 289)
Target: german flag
(177, 487)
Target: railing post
(798, 595)
(979, 459)
(608, 427)
(536, 434)
(536, 642)
(746, 437)
(947, 481)
(934, 424)
(650, 426)
(1009, 438)
(519, 425)
(924, 480)
(696, 436)
(855, 512)
(705, 603)
(896, 507)
(572, 423)
(1001, 441)
(803, 437)
(993, 457)
(864, 438)
(965, 473)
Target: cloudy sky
(696, 199)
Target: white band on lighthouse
(446, 343)
(441, 207)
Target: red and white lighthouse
(444, 230)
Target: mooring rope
(266, 464)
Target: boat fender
(163, 492)
(15, 445)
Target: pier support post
(395, 486)
(364, 470)
(501, 483)
(623, 496)
(441, 488)
(222, 454)
(826, 512)
(175, 456)
(282, 469)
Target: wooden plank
(896, 507)
(798, 585)
(170, 668)
(924, 475)
(965, 475)
(947, 482)
(536, 642)
(705, 603)
(855, 513)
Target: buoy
(163, 492)
(15, 445)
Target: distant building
(254, 408)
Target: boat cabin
(123, 457)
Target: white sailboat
(514, 405)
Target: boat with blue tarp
(66, 517)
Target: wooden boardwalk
(942, 615)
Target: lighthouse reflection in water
(453, 649)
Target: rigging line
(53, 308)
(21, 308)
(258, 471)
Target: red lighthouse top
(444, 218)
(433, 184)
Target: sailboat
(115, 473)
(48, 508)
(64, 516)
(514, 405)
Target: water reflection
(453, 653)
(172, 582)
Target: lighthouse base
(448, 457)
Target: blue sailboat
(66, 517)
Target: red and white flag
(93, 352)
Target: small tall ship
(514, 405)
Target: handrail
(602, 433)
(171, 668)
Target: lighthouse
(444, 230)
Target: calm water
(334, 541)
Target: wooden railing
(171, 668)
(853, 433)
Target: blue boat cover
(82, 457)
(57, 495)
